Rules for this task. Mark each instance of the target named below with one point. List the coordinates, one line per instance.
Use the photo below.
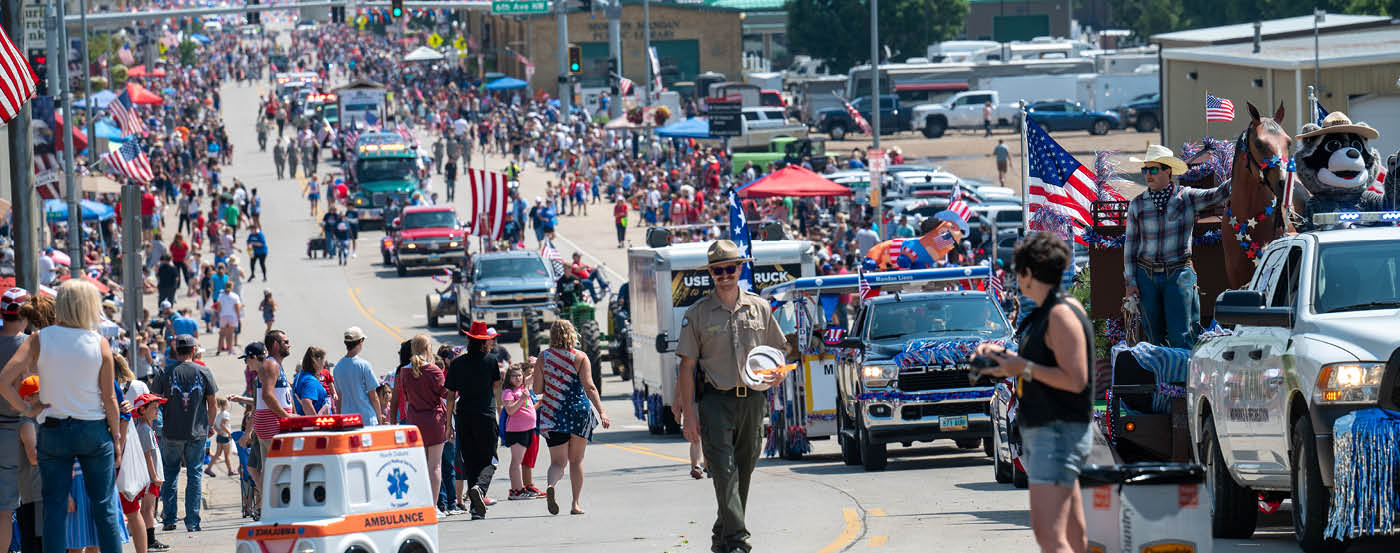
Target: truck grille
(934, 378)
(506, 300)
(916, 412)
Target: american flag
(856, 116)
(1219, 109)
(1319, 112)
(956, 205)
(655, 67)
(125, 114)
(1057, 180)
(944, 240)
(490, 199)
(833, 335)
(625, 86)
(995, 285)
(556, 262)
(863, 287)
(739, 233)
(16, 79)
(129, 160)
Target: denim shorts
(1054, 453)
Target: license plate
(952, 424)
(434, 257)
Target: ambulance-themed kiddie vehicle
(333, 486)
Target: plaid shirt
(1165, 237)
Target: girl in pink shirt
(519, 404)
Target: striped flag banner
(490, 196)
(996, 287)
(961, 208)
(863, 286)
(855, 115)
(1219, 109)
(1057, 180)
(131, 161)
(16, 79)
(556, 261)
(125, 113)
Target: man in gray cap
(189, 422)
(354, 379)
(716, 336)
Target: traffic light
(254, 17)
(613, 76)
(39, 63)
(575, 58)
(396, 9)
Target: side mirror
(1246, 307)
(662, 344)
(852, 342)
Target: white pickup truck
(762, 124)
(964, 111)
(1314, 338)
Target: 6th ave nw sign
(515, 7)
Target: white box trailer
(663, 283)
(1093, 90)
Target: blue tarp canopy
(99, 99)
(57, 211)
(506, 83)
(109, 130)
(201, 38)
(694, 127)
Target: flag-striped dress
(565, 407)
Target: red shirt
(619, 211)
(579, 269)
(680, 209)
(148, 204)
(178, 252)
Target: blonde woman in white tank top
(77, 412)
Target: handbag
(132, 478)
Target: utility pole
(58, 51)
(131, 264)
(875, 76)
(21, 150)
(566, 92)
(646, 52)
(91, 112)
(615, 51)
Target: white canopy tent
(423, 53)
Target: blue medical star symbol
(398, 484)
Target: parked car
(963, 111)
(1067, 115)
(1144, 113)
(835, 121)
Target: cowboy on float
(1157, 249)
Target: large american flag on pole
(1057, 180)
(131, 161)
(855, 115)
(490, 199)
(739, 233)
(125, 113)
(16, 79)
(1219, 109)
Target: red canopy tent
(80, 141)
(140, 71)
(141, 96)
(793, 180)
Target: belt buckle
(741, 391)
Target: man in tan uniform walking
(716, 336)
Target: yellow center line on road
(355, 297)
(876, 512)
(848, 534)
(651, 453)
(877, 541)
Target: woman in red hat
(473, 384)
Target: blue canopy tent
(202, 39)
(109, 130)
(694, 127)
(99, 99)
(506, 83)
(57, 211)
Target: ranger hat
(724, 252)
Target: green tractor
(570, 306)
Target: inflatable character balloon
(940, 234)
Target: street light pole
(646, 37)
(566, 93)
(91, 111)
(1319, 16)
(875, 74)
(21, 171)
(59, 52)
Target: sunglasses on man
(1152, 170)
(724, 270)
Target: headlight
(410, 246)
(305, 546)
(1129, 111)
(1349, 383)
(877, 376)
(360, 201)
(481, 294)
(453, 244)
(245, 547)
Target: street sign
(34, 35)
(435, 40)
(460, 43)
(876, 159)
(517, 7)
(726, 119)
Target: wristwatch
(1026, 373)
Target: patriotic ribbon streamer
(1364, 499)
(898, 397)
(918, 353)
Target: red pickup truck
(426, 236)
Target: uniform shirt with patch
(719, 339)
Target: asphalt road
(638, 494)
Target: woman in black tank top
(1052, 378)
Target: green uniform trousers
(731, 433)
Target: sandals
(552, 502)
(696, 473)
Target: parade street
(638, 494)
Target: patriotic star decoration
(1253, 222)
(1241, 236)
(1234, 222)
(1269, 210)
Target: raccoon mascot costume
(1337, 167)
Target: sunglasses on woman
(724, 270)
(1152, 170)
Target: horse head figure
(1259, 179)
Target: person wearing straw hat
(716, 335)
(1157, 249)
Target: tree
(1149, 17)
(838, 31)
(187, 53)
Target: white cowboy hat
(1338, 123)
(1157, 153)
(760, 359)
